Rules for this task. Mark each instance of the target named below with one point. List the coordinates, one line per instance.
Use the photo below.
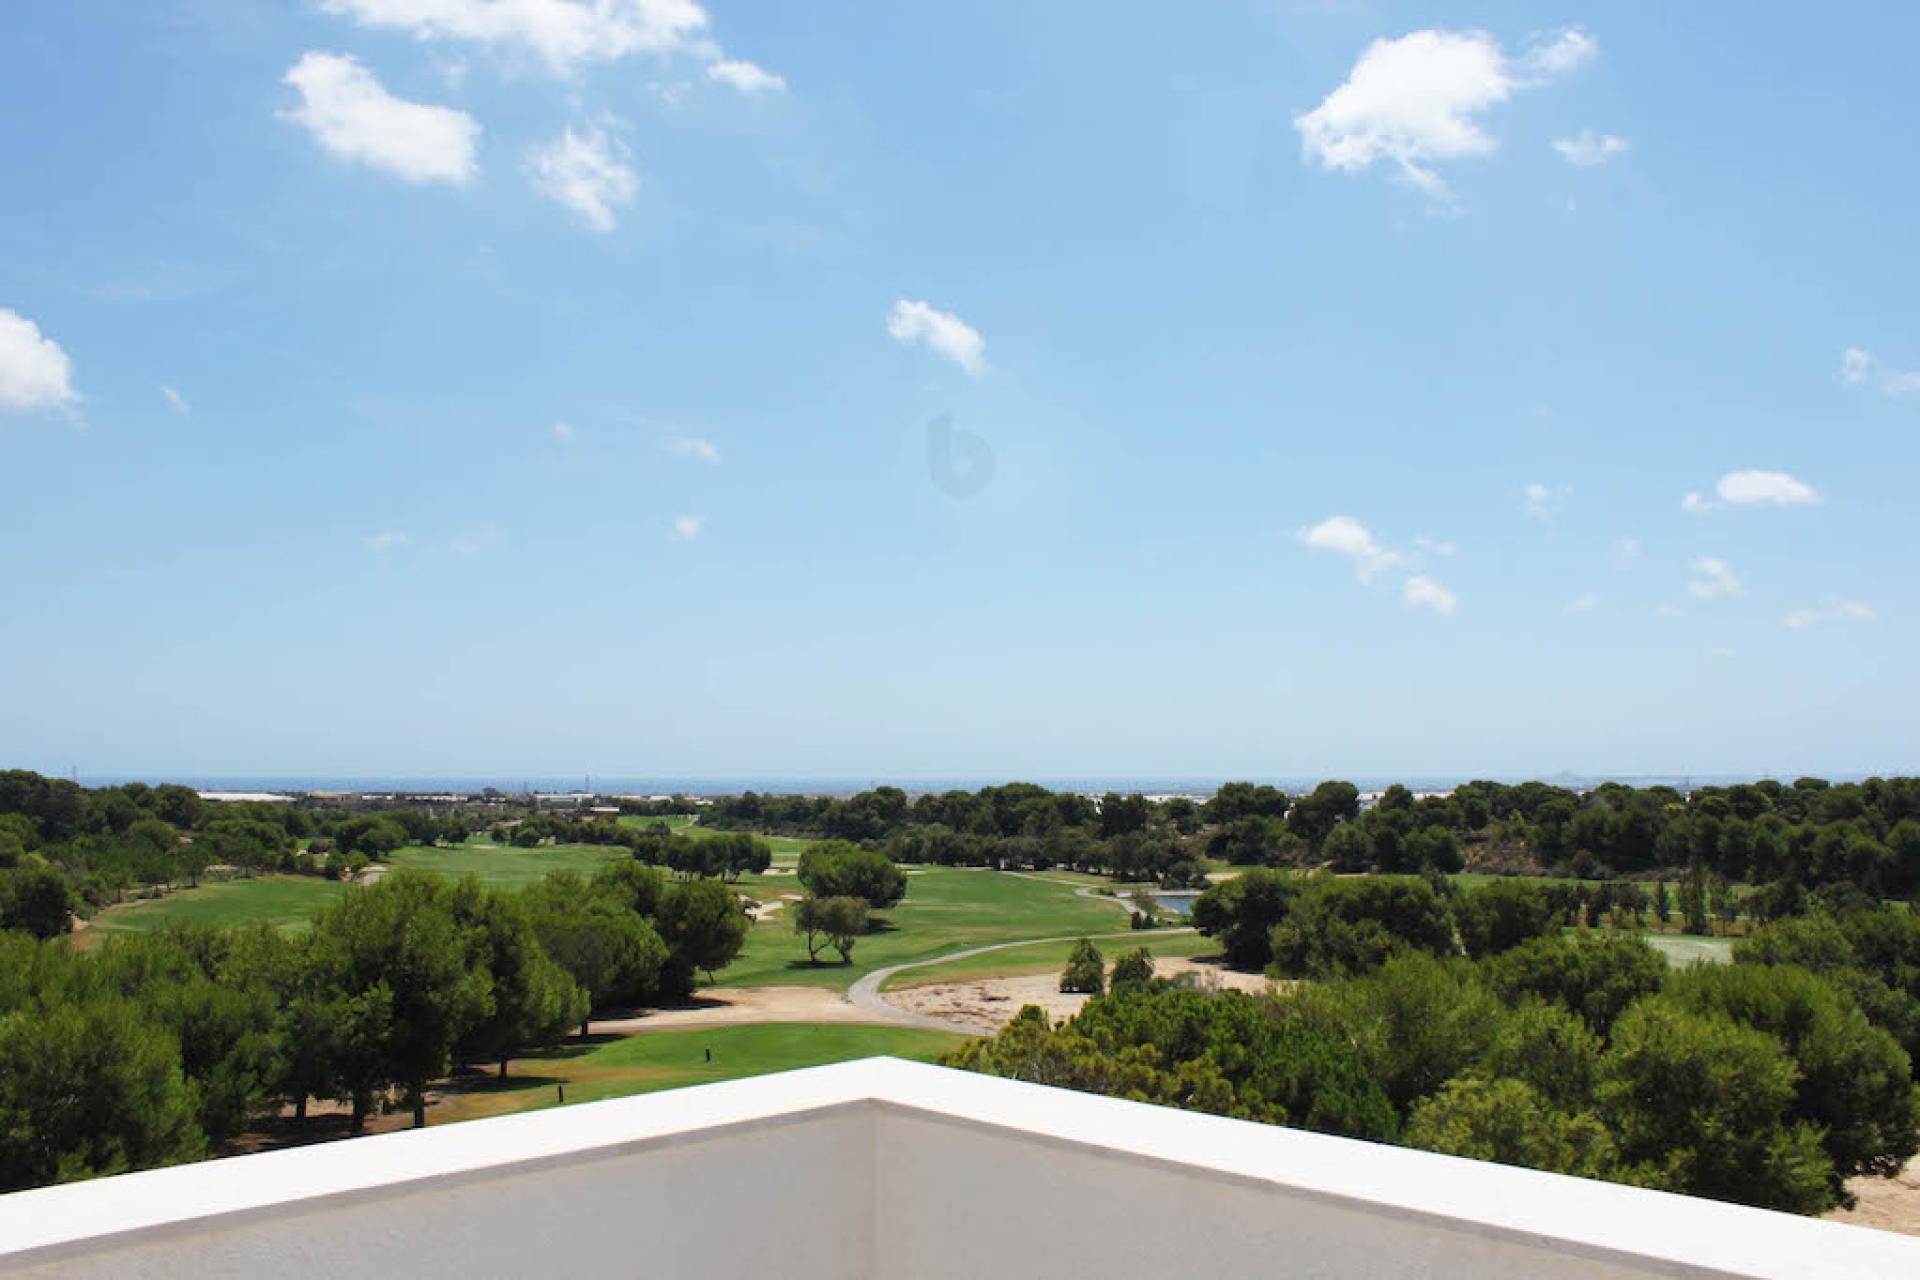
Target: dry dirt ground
(1886, 1204)
(985, 1005)
(720, 1006)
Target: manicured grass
(1682, 950)
(504, 867)
(946, 909)
(650, 1061)
(1477, 879)
(1051, 957)
(286, 902)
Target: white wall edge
(1661, 1232)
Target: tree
(1134, 967)
(1693, 902)
(1313, 816)
(1854, 1083)
(90, 1087)
(1416, 1021)
(610, 950)
(1595, 978)
(35, 898)
(1662, 903)
(704, 927)
(1351, 926)
(535, 1000)
(1507, 1121)
(1500, 916)
(835, 922)
(1224, 1053)
(1086, 971)
(401, 937)
(836, 869)
(1548, 1049)
(1701, 1105)
(1242, 913)
(1237, 800)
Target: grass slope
(286, 902)
(1050, 957)
(946, 909)
(672, 1059)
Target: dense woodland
(150, 1048)
(1787, 841)
(1517, 1021)
(1474, 1026)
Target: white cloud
(1343, 535)
(1560, 53)
(1627, 552)
(563, 432)
(1770, 488)
(588, 173)
(746, 77)
(941, 331)
(385, 540)
(1584, 603)
(1418, 100)
(1433, 546)
(1713, 577)
(1543, 501)
(176, 401)
(687, 528)
(1755, 488)
(350, 114)
(1425, 593)
(1834, 610)
(564, 33)
(695, 448)
(1587, 149)
(35, 373)
(1858, 366)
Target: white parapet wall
(884, 1168)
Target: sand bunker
(987, 1004)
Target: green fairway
(286, 902)
(504, 867)
(946, 909)
(1682, 950)
(672, 1059)
(1051, 957)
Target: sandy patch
(988, 1004)
(1886, 1204)
(721, 1006)
(760, 911)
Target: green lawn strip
(945, 910)
(649, 1061)
(1682, 950)
(1049, 957)
(502, 866)
(286, 902)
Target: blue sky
(473, 386)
